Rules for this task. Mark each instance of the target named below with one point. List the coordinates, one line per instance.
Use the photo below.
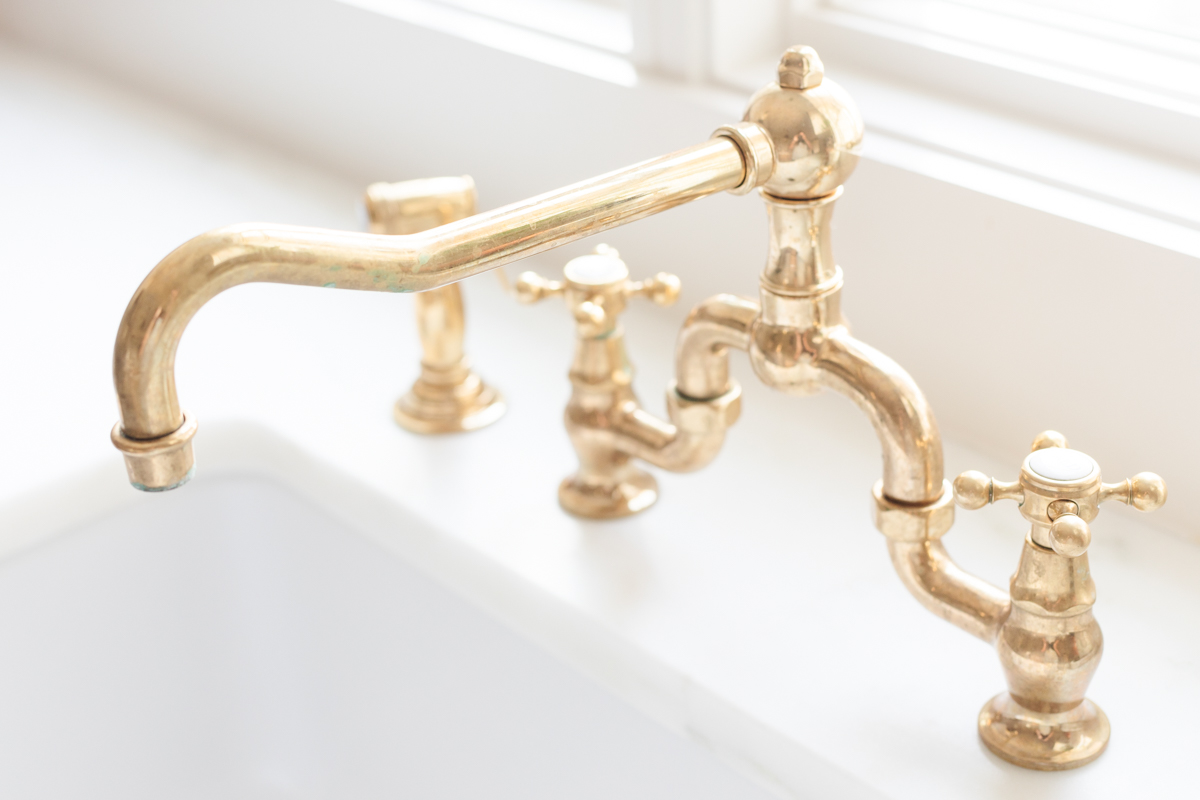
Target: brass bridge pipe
(930, 575)
(194, 273)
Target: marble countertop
(754, 608)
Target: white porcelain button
(596, 270)
(1060, 464)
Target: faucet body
(604, 420)
(449, 396)
(795, 336)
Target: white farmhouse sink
(234, 641)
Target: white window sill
(602, 54)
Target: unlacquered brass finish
(1048, 640)
(158, 313)
(607, 425)
(448, 397)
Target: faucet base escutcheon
(448, 397)
(1043, 740)
(445, 401)
(635, 490)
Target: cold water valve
(1050, 643)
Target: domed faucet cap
(814, 127)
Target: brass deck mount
(1048, 641)
(607, 425)
(448, 397)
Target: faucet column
(800, 342)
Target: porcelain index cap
(596, 269)
(1061, 464)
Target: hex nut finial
(905, 522)
(800, 68)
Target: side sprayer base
(1044, 741)
(636, 492)
(435, 407)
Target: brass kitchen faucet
(797, 144)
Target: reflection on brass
(1049, 642)
(158, 313)
(607, 425)
(448, 397)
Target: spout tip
(160, 464)
(141, 487)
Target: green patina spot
(423, 258)
(335, 268)
(331, 285)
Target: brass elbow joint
(607, 425)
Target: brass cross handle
(1060, 491)
(596, 288)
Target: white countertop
(754, 608)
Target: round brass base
(636, 493)
(1044, 741)
(435, 409)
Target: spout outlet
(160, 464)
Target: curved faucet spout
(158, 313)
(903, 420)
(702, 349)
